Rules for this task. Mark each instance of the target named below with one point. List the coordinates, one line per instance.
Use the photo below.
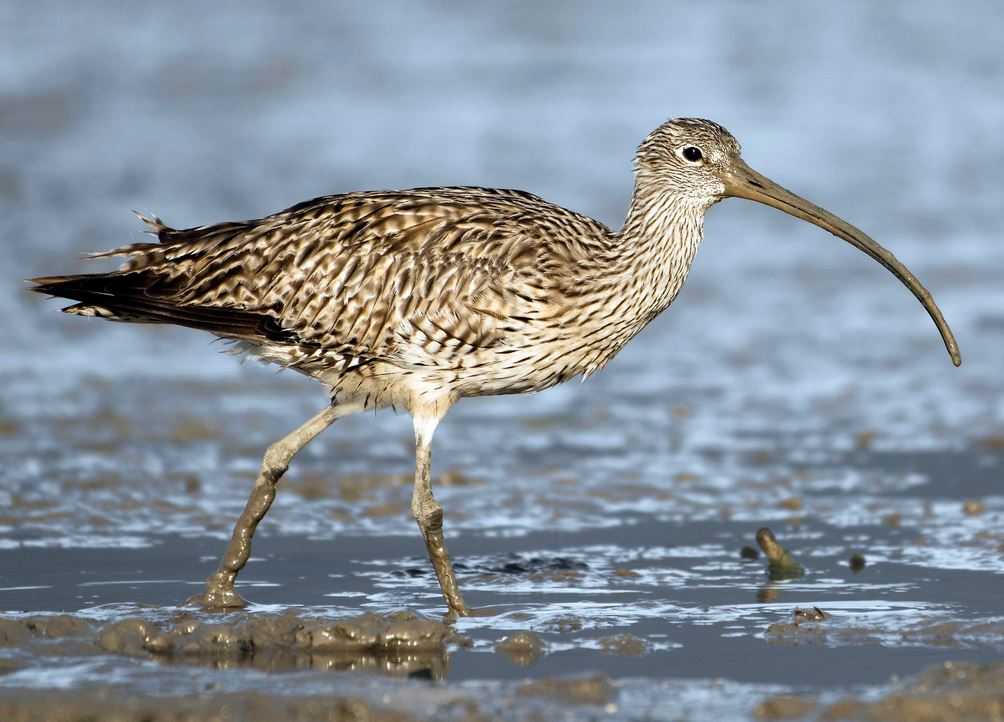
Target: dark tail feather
(140, 298)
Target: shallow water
(793, 385)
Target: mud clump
(109, 705)
(625, 573)
(592, 690)
(401, 642)
(372, 632)
(566, 624)
(892, 520)
(13, 633)
(955, 691)
(57, 625)
(522, 648)
(784, 707)
(939, 632)
(128, 636)
(809, 615)
(794, 503)
(626, 645)
(802, 629)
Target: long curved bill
(741, 181)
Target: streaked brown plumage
(417, 298)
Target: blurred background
(888, 114)
(794, 382)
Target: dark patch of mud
(400, 643)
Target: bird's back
(431, 278)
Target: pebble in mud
(522, 648)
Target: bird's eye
(692, 154)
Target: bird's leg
(220, 593)
(429, 515)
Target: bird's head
(697, 162)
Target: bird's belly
(525, 368)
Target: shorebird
(415, 299)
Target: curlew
(415, 299)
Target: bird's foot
(219, 595)
(454, 612)
(466, 611)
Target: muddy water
(794, 386)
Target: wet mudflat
(794, 385)
(623, 595)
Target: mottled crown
(716, 142)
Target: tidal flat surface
(794, 385)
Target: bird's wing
(412, 277)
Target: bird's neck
(634, 276)
(656, 247)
